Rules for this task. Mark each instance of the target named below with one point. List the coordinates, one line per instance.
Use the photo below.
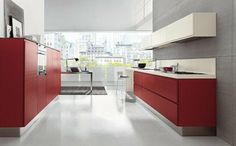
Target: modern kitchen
(138, 72)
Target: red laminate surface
(31, 82)
(49, 77)
(185, 102)
(197, 103)
(138, 78)
(23, 93)
(163, 86)
(138, 90)
(42, 95)
(11, 83)
(163, 106)
(53, 79)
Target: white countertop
(175, 76)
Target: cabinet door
(53, 80)
(31, 82)
(197, 103)
(49, 77)
(146, 43)
(138, 91)
(42, 98)
(138, 78)
(58, 73)
(159, 38)
(163, 86)
(165, 107)
(12, 82)
(180, 29)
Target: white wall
(146, 24)
(143, 14)
(34, 16)
(1, 19)
(89, 15)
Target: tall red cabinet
(24, 93)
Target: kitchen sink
(146, 69)
(188, 73)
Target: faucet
(175, 68)
(155, 60)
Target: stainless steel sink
(146, 69)
(188, 73)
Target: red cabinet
(165, 107)
(31, 82)
(57, 71)
(138, 90)
(197, 102)
(11, 82)
(42, 94)
(138, 78)
(53, 85)
(165, 87)
(50, 79)
(23, 93)
(185, 102)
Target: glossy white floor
(102, 121)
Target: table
(83, 72)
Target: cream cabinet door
(181, 29)
(147, 43)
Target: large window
(99, 48)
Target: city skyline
(92, 45)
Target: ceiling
(89, 15)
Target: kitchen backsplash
(201, 65)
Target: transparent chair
(121, 86)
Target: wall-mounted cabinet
(195, 25)
(146, 43)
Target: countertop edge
(32, 42)
(174, 76)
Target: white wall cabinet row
(195, 25)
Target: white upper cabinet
(179, 30)
(146, 43)
(192, 26)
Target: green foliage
(119, 65)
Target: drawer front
(167, 108)
(165, 87)
(138, 90)
(138, 78)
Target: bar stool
(123, 79)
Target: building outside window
(100, 50)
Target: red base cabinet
(53, 78)
(23, 93)
(184, 102)
(30, 85)
(42, 94)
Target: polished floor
(102, 121)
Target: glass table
(83, 72)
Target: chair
(123, 79)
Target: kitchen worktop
(175, 76)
